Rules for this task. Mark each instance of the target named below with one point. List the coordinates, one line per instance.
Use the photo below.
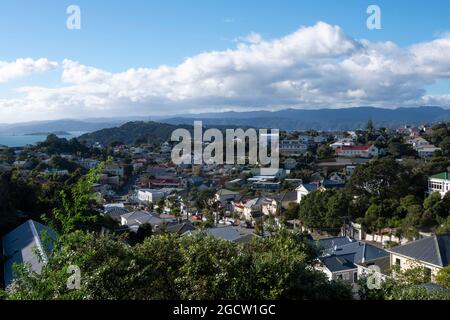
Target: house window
(355, 277)
(428, 274)
(339, 277)
(397, 262)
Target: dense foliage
(174, 267)
(409, 284)
(134, 132)
(382, 194)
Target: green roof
(442, 175)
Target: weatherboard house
(343, 256)
(439, 183)
(358, 151)
(431, 253)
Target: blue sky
(119, 35)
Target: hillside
(132, 132)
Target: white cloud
(316, 66)
(23, 67)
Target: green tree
(324, 151)
(167, 266)
(443, 277)
(76, 209)
(370, 127)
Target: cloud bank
(24, 67)
(313, 67)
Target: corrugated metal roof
(434, 250)
(20, 245)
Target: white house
(304, 189)
(423, 147)
(358, 151)
(225, 196)
(342, 143)
(439, 183)
(88, 163)
(427, 151)
(150, 195)
(292, 147)
(114, 170)
(253, 208)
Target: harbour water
(23, 140)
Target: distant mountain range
(322, 119)
(288, 119)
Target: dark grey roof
(332, 184)
(180, 228)
(20, 245)
(345, 256)
(434, 250)
(290, 196)
(115, 212)
(329, 243)
(383, 263)
(362, 251)
(310, 187)
(229, 233)
(338, 263)
(433, 288)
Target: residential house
(320, 139)
(306, 139)
(293, 148)
(114, 170)
(342, 143)
(115, 211)
(431, 253)
(194, 181)
(304, 189)
(88, 163)
(150, 195)
(286, 198)
(165, 182)
(180, 228)
(423, 147)
(26, 245)
(340, 262)
(229, 233)
(253, 208)
(235, 183)
(134, 219)
(380, 267)
(281, 201)
(290, 164)
(165, 147)
(266, 186)
(358, 151)
(225, 196)
(439, 183)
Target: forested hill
(134, 132)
